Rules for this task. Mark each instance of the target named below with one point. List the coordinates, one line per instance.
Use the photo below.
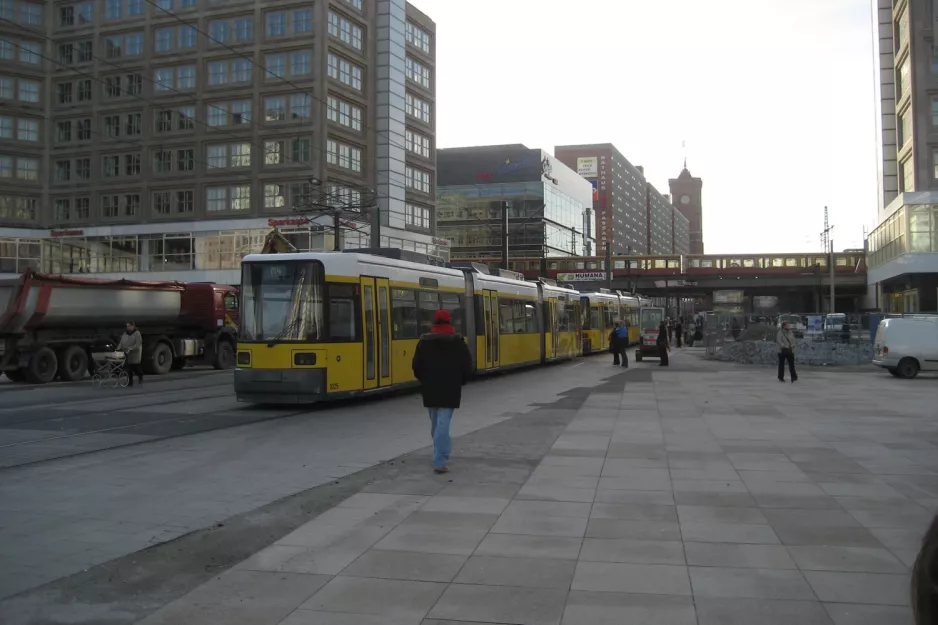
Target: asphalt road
(40, 423)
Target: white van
(906, 345)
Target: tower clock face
(685, 199)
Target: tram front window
(282, 301)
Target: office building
(161, 139)
(549, 205)
(619, 199)
(902, 260)
(687, 194)
(660, 222)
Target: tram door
(376, 339)
(384, 330)
(550, 330)
(490, 312)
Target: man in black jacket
(442, 364)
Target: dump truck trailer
(50, 325)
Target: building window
(905, 79)
(274, 152)
(299, 106)
(162, 202)
(27, 129)
(133, 124)
(233, 155)
(244, 30)
(301, 150)
(29, 90)
(30, 52)
(344, 113)
(905, 127)
(275, 64)
(229, 71)
(27, 168)
(345, 72)
(417, 37)
(417, 143)
(276, 24)
(111, 166)
(417, 108)
(185, 159)
(84, 90)
(345, 30)
(84, 129)
(110, 205)
(63, 170)
(229, 113)
(30, 14)
(112, 125)
(120, 46)
(417, 179)
(6, 127)
(346, 198)
(302, 21)
(417, 72)
(175, 79)
(164, 40)
(344, 156)
(907, 175)
(162, 161)
(902, 30)
(417, 216)
(275, 108)
(301, 63)
(131, 164)
(185, 201)
(934, 160)
(275, 195)
(218, 31)
(229, 198)
(354, 3)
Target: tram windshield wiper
(286, 331)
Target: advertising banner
(582, 276)
(587, 166)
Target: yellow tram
(601, 311)
(321, 326)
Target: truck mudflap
(280, 386)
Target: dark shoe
(441, 470)
(781, 379)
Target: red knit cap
(442, 316)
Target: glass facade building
(549, 206)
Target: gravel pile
(806, 353)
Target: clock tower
(686, 195)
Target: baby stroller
(109, 370)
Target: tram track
(69, 426)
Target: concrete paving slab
(738, 555)
(711, 611)
(749, 583)
(524, 572)
(406, 565)
(659, 579)
(610, 608)
(857, 614)
(514, 545)
(632, 551)
(874, 588)
(384, 597)
(847, 559)
(500, 604)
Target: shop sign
(587, 166)
(289, 221)
(441, 242)
(68, 233)
(581, 276)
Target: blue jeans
(439, 432)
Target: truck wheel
(908, 368)
(73, 363)
(42, 366)
(160, 360)
(178, 364)
(224, 355)
(638, 356)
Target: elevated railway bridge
(787, 282)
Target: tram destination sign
(581, 276)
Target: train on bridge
(585, 268)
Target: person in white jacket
(786, 352)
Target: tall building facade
(619, 197)
(549, 205)
(687, 194)
(660, 222)
(163, 138)
(902, 250)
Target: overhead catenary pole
(608, 266)
(505, 235)
(337, 231)
(832, 308)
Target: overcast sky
(773, 97)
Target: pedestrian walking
(663, 345)
(622, 341)
(734, 328)
(924, 577)
(131, 344)
(614, 345)
(442, 364)
(786, 352)
(679, 332)
(670, 330)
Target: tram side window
(530, 318)
(610, 315)
(427, 305)
(563, 320)
(404, 314)
(452, 303)
(595, 317)
(343, 320)
(505, 316)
